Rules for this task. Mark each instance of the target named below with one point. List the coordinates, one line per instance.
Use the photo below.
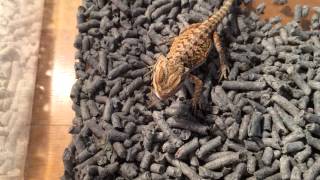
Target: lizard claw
(224, 71)
(196, 105)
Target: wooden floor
(286, 11)
(52, 114)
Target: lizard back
(190, 50)
(192, 46)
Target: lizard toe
(224, 73)
(196, 105)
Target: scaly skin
(188, 51)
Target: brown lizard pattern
(188, 51)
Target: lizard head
(167, 77)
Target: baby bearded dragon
(188, 51)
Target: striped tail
(210, 24)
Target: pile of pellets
(262, 122)
(20, 29)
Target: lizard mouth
(164, 95)
(161, 97)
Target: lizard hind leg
(197, 91)
(224, 68)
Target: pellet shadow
(42, 98)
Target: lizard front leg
(224, 69)
(197, 90)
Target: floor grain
(52, 113)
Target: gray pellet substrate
(262, 122)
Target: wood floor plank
(44, 160)
(52, 114)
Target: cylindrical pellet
(157, 168)
(251, 163)
(293, 147)
(120, 150)
(301, 83)
(209, 146)
(313, 171)
(185, 168)
(316, 102)
(206, 173)
(163, 125)
(243, 130)
(314, 84)
(255, 128)
(267, 171)
(313, 141)
(173, 172)
(84, 110)
(243, 85)
(108, 108)
(146, 160)
(189, 125)
(187, 148)
(314, 129)
(295, 174)
(303, 155)
(276, 176)
(92, 108)
(285, 104)
(285, 167)
(277, 121)
(267, 156)
(226, 160)
(217, 155)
